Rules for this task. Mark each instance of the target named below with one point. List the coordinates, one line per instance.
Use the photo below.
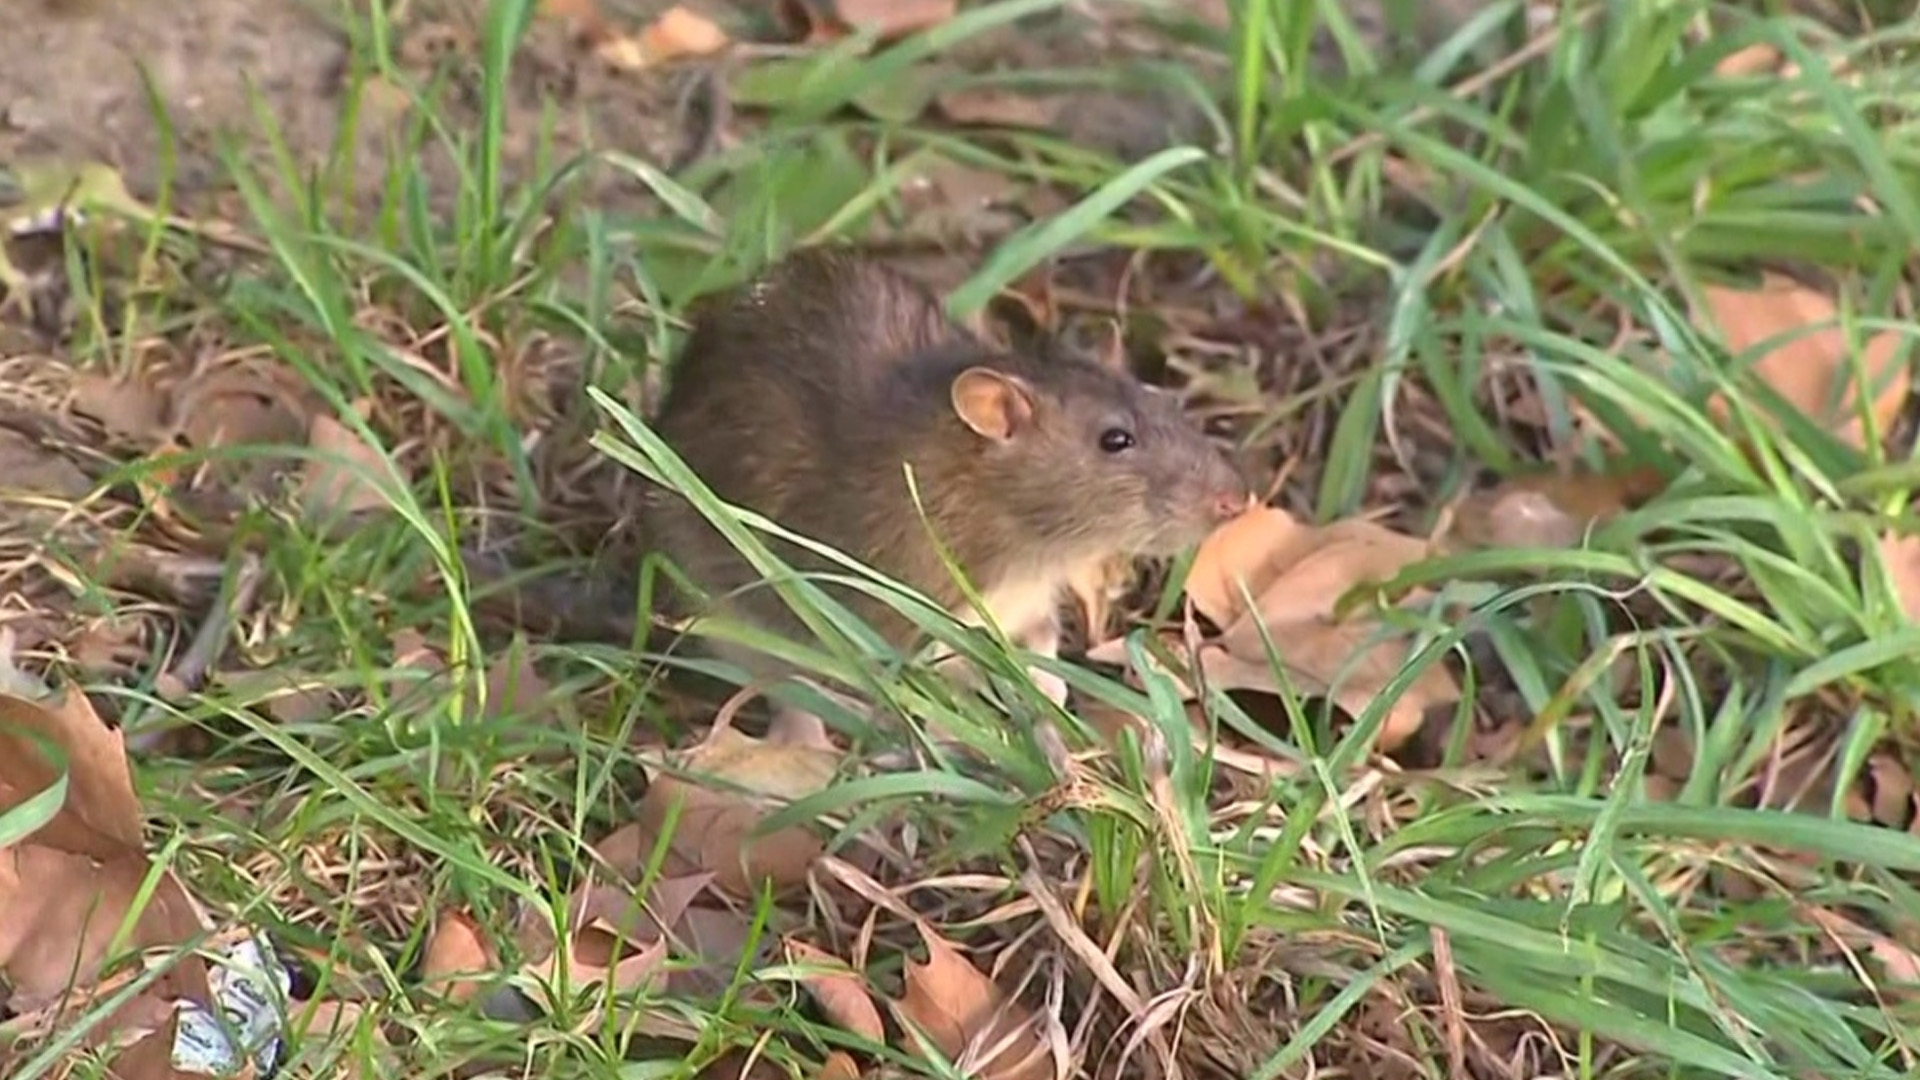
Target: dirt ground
(74, 86)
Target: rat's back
(778, 382)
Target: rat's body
(807, 395)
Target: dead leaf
(1900, 964)
(893, 18)
(67, 887)
(841, 992)
(679, 32)
(1296, 575)
(1553, 509)
(967, 1018)
(241, 405)
(29, 467)
(820, 21)
(133, 409)
(1805, 370)
(101, 815)
(714, 824)
(110, 645)
(1901, 556)
(457, 953)
(838, 1066)
(627, 850)
(992, 106)
(59, 913)
(331, 1023)
(1262, 545)
(1754, 59)
(514, 689)
(343, 482)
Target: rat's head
(1091, 459)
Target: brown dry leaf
(1806, 369)
(819, 21)
(841, 992)
(514, 688)
(1900, 964)
(133, 409)
(1753, 59)
(241, 405)
(342, 483)
(628, 848)
(609, 922)
(893, 18)
(714, 823)
(457, 952)
(1551, 509)
(1265, 544)
(1296, 574)
(679, 32)
(1901, 555)
(110, 645)
(151, 1057)
(325, 1022)
(66, 889)
(838, 1066)
(967, 1018)
(991, 106)
(101, 816)
(59, 912)
(28, 467)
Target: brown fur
(803, 394)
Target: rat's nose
(1231, 503)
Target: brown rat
(804, 395)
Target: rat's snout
(1229, 504)
(1227, 493)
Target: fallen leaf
(67, 887)
(820, 21)
(457, 954)
(992, 106)
(841, 992)
(110, 645)
(838, 1066)
(514, 689)
(1752, 59)
(342, 482)
(1259, 547)
(714, 825)
(101, 815)
(1296, 575)
(967, 1018)
(894, 18)
(291, 697)
(30, 468)
(330, 1024)
(1806, 369)
(241, 405)
(133, 409)
(1900, 964)
(679, 32)
(1551, 510)
(627, 850)
(1901, 556)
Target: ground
(1552, 717)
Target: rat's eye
(1116, 440)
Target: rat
(809, 393)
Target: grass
(1486, 238)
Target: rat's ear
(992, 403)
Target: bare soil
(74, 86)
